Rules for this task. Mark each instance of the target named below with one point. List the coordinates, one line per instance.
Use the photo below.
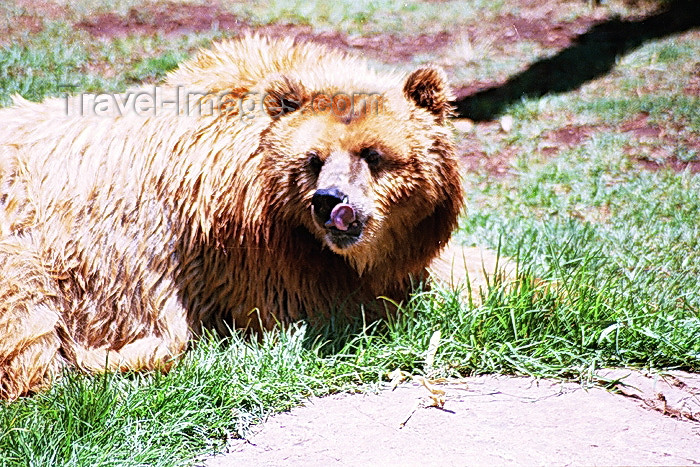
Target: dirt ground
(488, 420)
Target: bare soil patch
(475, 159)
(473, 155)
(566, 137)
(693, 86)
(43, 9)
(489, 420)
(657, 146)
(163, 18)
(544, 30)
(30, 19)
(171, 19)
(571, 135)
(25, 23)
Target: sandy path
(487, 420)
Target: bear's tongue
(342, 216)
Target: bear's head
(372, 175)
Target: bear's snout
(332, 211)
(330, 205)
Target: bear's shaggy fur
(267, 199)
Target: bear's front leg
(156, 350)
(30, 341)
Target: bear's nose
(323, 202)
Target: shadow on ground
(591, 55)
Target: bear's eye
(371, 156)
(314, 161)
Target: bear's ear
(284, 95)
(427, 88)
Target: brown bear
(265, 182)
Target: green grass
(155, 68)
(614, 248)
(60, 59)
(43, 64)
